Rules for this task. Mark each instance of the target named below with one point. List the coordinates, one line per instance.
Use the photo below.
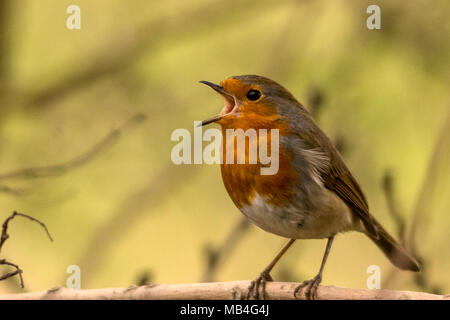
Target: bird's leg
(314, 283)
(253, 289)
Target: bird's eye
(253, 95)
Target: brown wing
(336, 176)
(339, 180)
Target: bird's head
(249, 99)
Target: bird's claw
(312, 285)
(260, 282)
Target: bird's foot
(311, 287)
(256, 285)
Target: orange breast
(244, 181)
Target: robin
(313, 195)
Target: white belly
(294, 221)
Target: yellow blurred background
(91, 112)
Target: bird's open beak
(229, 103)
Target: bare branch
(439, 156)
(127, 48)
(388, 188)
(12, 273)
(5, 236)
(215, 256)
(231, 290)
(5, 48)
(143, 201)
(11, 191)
(59, 169)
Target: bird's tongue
(228, 105)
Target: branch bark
(232, 290)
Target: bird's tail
(393, 250)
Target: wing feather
(337, 177)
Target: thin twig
(59, 169)
(439, 155)
(409, 240)
(315, 99)
(12, 273)
(389, 192)
(143, 201)
(387, 184)
(5, 48)
(119, 55)
(11, 191)
(217, 255)
(5, 236)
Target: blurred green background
(107, 189)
